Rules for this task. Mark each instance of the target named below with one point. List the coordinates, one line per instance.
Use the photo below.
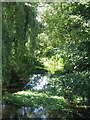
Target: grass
(36, 99)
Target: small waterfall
(38, 81)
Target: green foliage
(36, 99)
(62, 43)
(71, 85)
(54, 63)
(68, 32)
(19, 32)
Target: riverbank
(56, 106)
(36, 99)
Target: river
(39, 82)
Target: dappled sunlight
(30, 93)
(36, 99)
(53, 64)
(46, 60)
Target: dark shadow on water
(12, 112)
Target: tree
(19, 32)
(67, 28)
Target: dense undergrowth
(36, 99)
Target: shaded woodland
(38, 38)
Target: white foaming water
(38, 82)
(42, 82)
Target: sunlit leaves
(70, 85)
(36, 99)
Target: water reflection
(15, 112)
(39, 112)
(12, 112)
(39, 82)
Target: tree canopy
(56, 39)
(20, 30)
